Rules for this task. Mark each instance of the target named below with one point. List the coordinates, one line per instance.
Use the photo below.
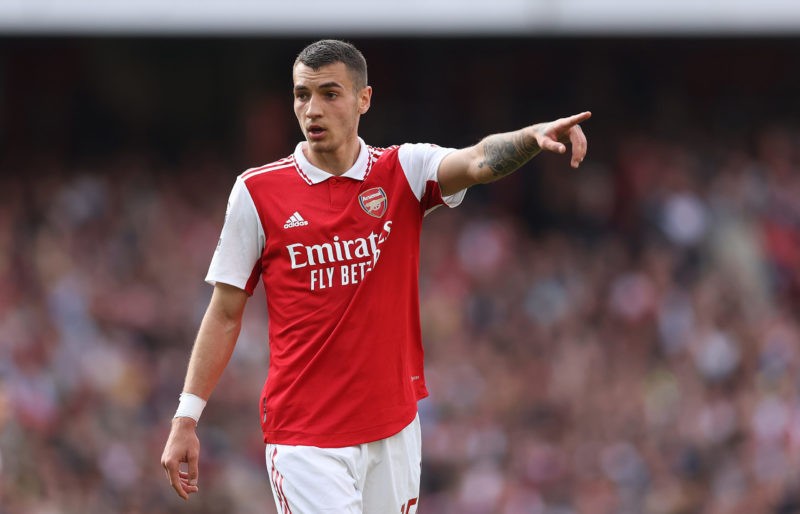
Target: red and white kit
(339, 259)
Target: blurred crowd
(644, 360)
(621, 339)
(641, 356)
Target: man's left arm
(498, 155)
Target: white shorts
(381, 477)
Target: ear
(364, 99)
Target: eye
(301, 96)
(331, 95)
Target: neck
(335, 162)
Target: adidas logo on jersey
(295, 220)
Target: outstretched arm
(501, 154)
(212, 351)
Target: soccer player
(333, 233)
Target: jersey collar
(314, 175)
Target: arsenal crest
(374, 201)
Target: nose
(313, 109)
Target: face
(328, 107)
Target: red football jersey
(339, 259)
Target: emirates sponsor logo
(338, 250)
(374, 201)
(339, 262)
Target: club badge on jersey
(374, 201)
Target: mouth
(315, 132)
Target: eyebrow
(324, 85)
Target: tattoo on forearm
(505, 153)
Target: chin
(319, 146)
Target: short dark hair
(330, 51)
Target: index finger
(576, 118)
(171, 468)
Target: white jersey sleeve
(241, 243)
(420, 162)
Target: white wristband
(190, 406)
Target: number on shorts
(406, 509)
